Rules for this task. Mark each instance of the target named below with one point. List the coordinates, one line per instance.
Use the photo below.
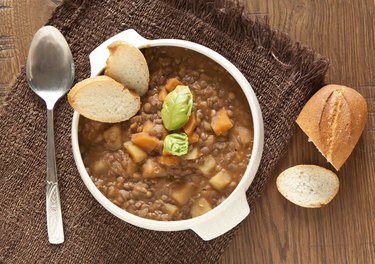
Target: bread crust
(334, 119)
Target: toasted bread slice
(103, 99)
(308, 185)
(127, 65)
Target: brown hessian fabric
(283, 74)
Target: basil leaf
(176, 144)
(177, 108)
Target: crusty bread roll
(103, 99)
(334, 119)
(308, 185)
(127, 65)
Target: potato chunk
(135, 152)
(199, 207)
(130, 165)
(152, 169)
(208, 165)
(170, 208)
(220, 180)
(113, 137)
(99, 167)
(245, 136)
(193, 154)
(182, 192)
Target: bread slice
(103, 99)
(308, 185)
(334, 119)
(127, 65)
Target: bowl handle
(98, 56)
(215, 225)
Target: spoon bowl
(49, 66)
(50, 74)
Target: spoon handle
(53, 206)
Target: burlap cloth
(283, 74)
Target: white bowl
(235, 207)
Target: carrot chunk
(221, 123)
(162, 94)
(168, 160)
(145, 141)
(171, 84)
(147, 126)
(190, 125)
(193, 138)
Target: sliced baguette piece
(103, 99)
(127, 65)
(334, 119)
(308, 185)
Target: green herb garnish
(177, 108)
(176, 144)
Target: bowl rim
(248, 175)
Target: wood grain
(278, 231)
(19, 19)
(343, 231)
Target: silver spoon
(50, 74)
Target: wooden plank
(19, 21)
(344, 231)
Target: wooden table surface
(278, 231)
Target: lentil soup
(129, 164)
